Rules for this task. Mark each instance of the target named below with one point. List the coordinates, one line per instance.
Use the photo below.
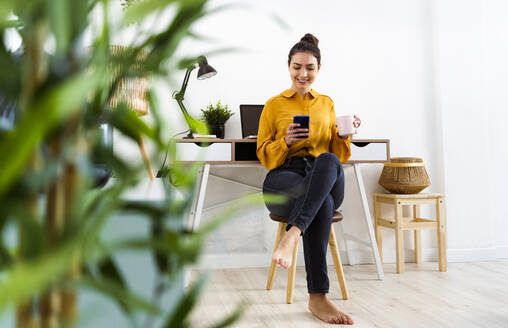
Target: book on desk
(243, 151)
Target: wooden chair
(334, 248)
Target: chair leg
(334, 249)
(273, 266)
(291, 277)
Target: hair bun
(310, 39)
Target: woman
(305, 165)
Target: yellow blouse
(278, 113)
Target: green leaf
(51, 108)
(10, 79)
(150, 209)
(240, 204)
(109, 270)
(139, 10)
(60, 23)
(5, 256)
(6, 8)
(78, 14)
(129, 123)
(166, 42)
(179, 317)
(29, 277)
(32, 236)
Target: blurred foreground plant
(60, 96)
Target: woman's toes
(282, 263)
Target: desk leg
(368, 220)
(196, 210)
(349, 254)
(194, 218)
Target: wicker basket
(404, 175)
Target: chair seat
(337, 216)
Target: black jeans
(315, 189)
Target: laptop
(249, 117)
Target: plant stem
(25, 313)
(50, 302)
(68, 295)
(33, 74)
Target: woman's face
(303, 70)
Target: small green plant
(218, 114)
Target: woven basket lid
(404, 175)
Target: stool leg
(273, 266)
(291, 277)
(399, 238)
(379, 235)
(334, 249)
(418, 245)
(441, 234)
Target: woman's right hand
(293, 133)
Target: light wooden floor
(471, 294)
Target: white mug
(346, 126)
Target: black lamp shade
(205, 71)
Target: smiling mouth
(302, 81)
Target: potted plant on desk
(216, 116)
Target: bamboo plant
(47, 158)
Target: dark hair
(309, 43)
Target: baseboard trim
(256, 260)
(502, 252)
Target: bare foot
(283, 254)
(322, 308)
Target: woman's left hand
(357, 122)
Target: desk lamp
(205, 71)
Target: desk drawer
(369, 151)
(218, 151)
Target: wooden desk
(242, 153)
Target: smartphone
(303, 120)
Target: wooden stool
(416, 223)
(334, 248)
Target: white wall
(472, 47)
(429, 75)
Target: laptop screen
(249, 116)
